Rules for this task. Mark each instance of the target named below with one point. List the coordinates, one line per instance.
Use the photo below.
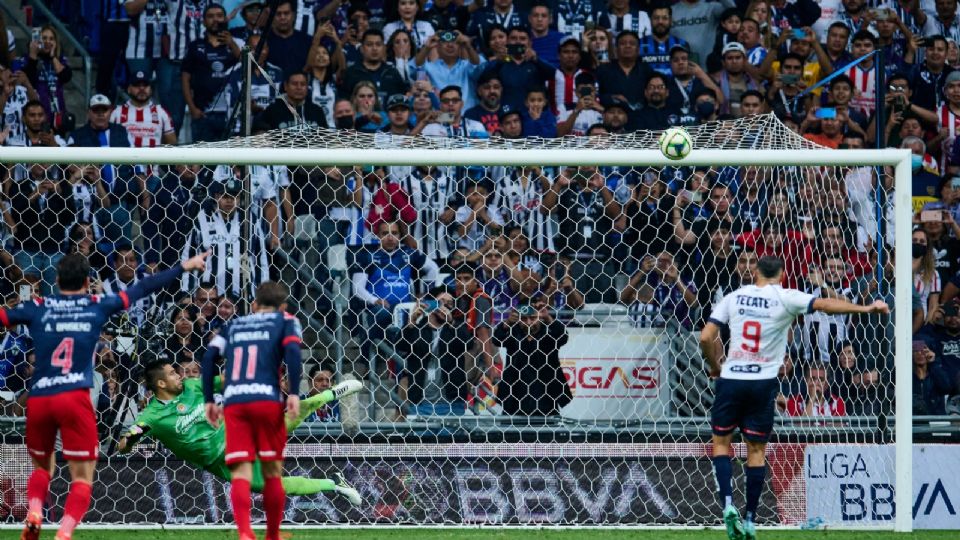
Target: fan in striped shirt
(435, 197)
(147, 123)
(148, 23)
(525, 198)
(17, 91)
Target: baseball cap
(100, 100)
(139, 77)
(447, 36)
(526, 310)
(397, 100)
(568, 39)
(232, 187)
(733, 46)
(506, 111)
(615, 102)
(677, 48)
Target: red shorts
(72, 414)
(255, 430)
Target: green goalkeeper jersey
(181, 425)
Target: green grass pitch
(486, 534)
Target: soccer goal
(527, 332)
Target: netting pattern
(527, 336)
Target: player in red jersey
(254, 346)
(65, 330)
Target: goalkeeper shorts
(254, 430)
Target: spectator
(254, 19)
(696, 22)
(434, 196)
(752, 40)
(862, 74)
(126, 273)
(206, 297)
(280, 113)
(146, 23)
(15, 92)
(687, 81)
(926, 280)
(321, 379)
(831, 133)
(82, 239)
(477, 220)
(40, 205)
(946, 248)
(148, 124)
(617, 117)
(449, 15)
(576, 118)
(800, 14)
(49, 72)
(949, 113)
(715, 274)
(398, 117)
(619, 18)
(858, 384)
(218, 231)
(525, 199)
(896, 43)
(408, 19)
(597, 43)
(705, 107)
(931, 384)
(344, 114)
(925, 183)
(648, 228)
(758, 11)
(538, 120)
(501, 13)
(497, 282)
(450, 123)
(124, 187)
(945, 23)
(323, 69)
(190, 369)
(373, 68)
(495, 46)
(423, 99)
(359, 16)
(511, 124)
(752, 103)
(657, 114)
(545, 40)
(657, 295)
(626, 78)
(520, 70)
(401, 53)
(733, 78)
(185, 25)
(840, 94)
(532, 383)
(458, 63)
(487, 109)
(784, 94)
(690, 227)
(586, 211)
(838, 38)
(184, 342)
(942, 330)
(205, 72)
(563, 85)
(775, 239)
(388, 271)
(369, 114)
(288, 46)
(438, 357)
(727, 31)
(818, 401)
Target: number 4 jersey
(254, 345)
(759, 319)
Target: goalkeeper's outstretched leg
(301, 485)
(309, 405)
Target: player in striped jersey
(434, 196)
(148, 23)
(524, 197)
(148, 124)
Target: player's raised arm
(158, 281)
(834, 305)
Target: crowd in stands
(494, 261)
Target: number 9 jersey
(759, 319)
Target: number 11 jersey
(759, 319)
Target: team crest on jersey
(181, 408)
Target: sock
(240, 499)
(78, 500)
(308, 406)
(755, 478)
(37, 487)
(273, 503)
(299, 485)
(723, 470)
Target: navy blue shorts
(745, 404)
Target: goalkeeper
(175, 417)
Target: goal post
(315, 149)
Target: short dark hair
(212, 7)
(839, 24)
(153, 372)
(750, 19)
(72, 271)
(865, 35)
(755, 93)
(451, 88)
(792, 56)
(271, 294)
(296, 73)
(935, 38)
(769, 267)
(842, 79)
(537, 90)
(627, 33)
(657, 75)
(372, 32)
(33, 103)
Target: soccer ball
(675, 143)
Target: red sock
(274, 500)
(240, 498)
(37, 487)
(78, 500)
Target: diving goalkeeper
(175, 417)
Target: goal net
(524, 316)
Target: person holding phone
(49, 72)
(688, 81)
(521, 69)
(783, 94)
(587, 111)
(457, 63)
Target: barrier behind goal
(566, 386)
